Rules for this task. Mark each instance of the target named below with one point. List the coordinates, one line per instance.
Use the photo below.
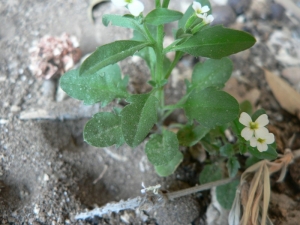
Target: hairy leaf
(168, 169)
(162, 16)
(103, 86)
(162, 148)
(103, 130)
(138, 118)
(211, 107)
(210, 173)
(270, 154)
(123, 21)
(226, 193)
(190, 135)
(233, 166)
(216, 42)
(110, 54)
(212, 73)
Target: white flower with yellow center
(262, 142)
(207, 18)
(256, 128)
(199, 10)
(135, 7)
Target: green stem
(165, 3)
(178, 55)
(171, 108)
(149, 36)
(157, 4)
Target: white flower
(200, 10)
(261, 142)
(206, 18)
(135, 7)
(256, 128)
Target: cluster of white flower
(135, 7)
(201, 12)
(256, 132)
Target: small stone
(2, 78)
(48, 89)
(223, 14)
(46, 177)
(239, 6)
(15, 108)
(277, 11)
(36, 209)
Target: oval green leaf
(190, 135)
(103, 86)
(168, 169)
(162, 16)
(162, 148)
(212, 73)
(210, 173)
(110, 54)
(138, 118)
(103, 130)
(226, 194)
(211, 107)
(216, 42)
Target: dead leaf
(288, 98)
(92, 4)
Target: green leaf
(123, 21)
(211, 107)
(190, 135)
(251, 161)
(103, 86)
(138, 118)
(110, 54)
(162, 16)
(257, 114)
(212, 73)
(270, 154)
(210, 173)
(226, 194)
(168, 169)
(243, 147)
(103, 130)
(227, 150)
(246, 107)
(162, 148)
(216, 42)
(233, 166)
(189, 12)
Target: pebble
(48, 89)
(239, 6)
(223, 14)
(15, 108)
(277, 11)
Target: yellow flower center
(198, 11)
(260, 140)
(253, 125)
(128, 1)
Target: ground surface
(47, 172)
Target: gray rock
(239, 6)
(223, 14)
(277, 11)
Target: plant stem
(178, 55)
(165, 3)
(157, 4)
(188, 191)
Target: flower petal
(245, 119)
(262, 147)
(253, 142)
(205, 9)
(209, 19)
(119, 2)
(261, 132)
(262, 120)
(270, 138)
(247, 133)
(136, 8)
(196, 6)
